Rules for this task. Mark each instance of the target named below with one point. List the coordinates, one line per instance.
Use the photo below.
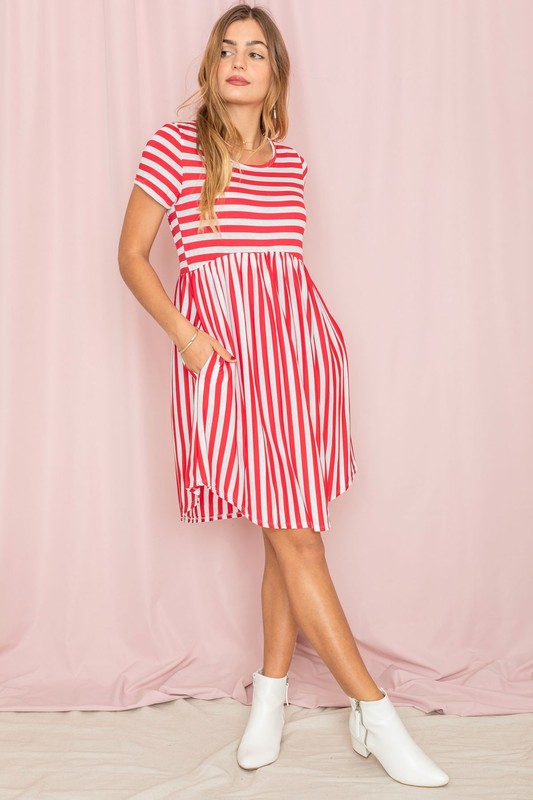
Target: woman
(260, 397)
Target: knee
(298, 545)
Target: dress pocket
(203, 367)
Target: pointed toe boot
(376, 727)
(261, 741)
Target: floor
(186, 749)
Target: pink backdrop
(416, 121)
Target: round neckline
(266, 164)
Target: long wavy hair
(213, 121)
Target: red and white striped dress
(267, 437)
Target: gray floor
(186, 749)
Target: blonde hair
(213, 121)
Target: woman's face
(249, 62)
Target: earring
(274, 113)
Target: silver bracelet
(189, 344)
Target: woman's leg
(261, 740)
(279, 626)
(316, 609)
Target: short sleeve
(160, 169)
(304, 168)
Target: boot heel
(360, 748)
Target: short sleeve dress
(268, 436)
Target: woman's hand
(197, 354)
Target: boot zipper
(357, 712)
(360, 730)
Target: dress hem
(237, 513)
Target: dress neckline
(249, 166)
(253, 166)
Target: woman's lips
(238, 83)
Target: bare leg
(279, 626)
(317, 610)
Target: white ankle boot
(376, 727)
(261, 740)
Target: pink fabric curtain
(416, 121)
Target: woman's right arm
(141, 223)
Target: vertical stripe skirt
(268, 436)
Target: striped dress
(268, 436)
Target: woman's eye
(252, 54)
